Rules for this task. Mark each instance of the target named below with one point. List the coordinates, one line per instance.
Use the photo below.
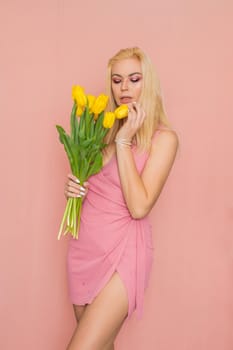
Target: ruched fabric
(110, 240)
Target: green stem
(64, 218)
(79, 208)
(70, 214)
(74, 216)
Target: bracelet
(123, 142)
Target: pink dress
(110, 240)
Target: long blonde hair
(150, 99)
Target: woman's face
(126, 81)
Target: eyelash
(133, 80)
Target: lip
(125, 99)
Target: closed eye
(135, 80)
(116, 81)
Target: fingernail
(82, 188)
(78, 195)
(77, 180)
(82, 193)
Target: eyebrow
(118, 75)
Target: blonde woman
(110, 263)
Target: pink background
(46, 47)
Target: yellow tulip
(79, 96)
(121, 111)
(91, 99)
(100, 104)
(79, 111)
(109, 119)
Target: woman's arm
(142, 191)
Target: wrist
(120, 141)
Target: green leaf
(77, 125)
(66, 141)
(61, 131)
(83, 171)
(92, 127)
(87, 142)
(96, 165)
(87, 124)
(99, 123)
(73, 122)
(82, 122)
(76, 156)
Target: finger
(73, 178)
(131, 114)
(73, 195)
(76, 185)
(138, 108)
(82, 191)
(69, 194)
(73, 186)
(134, 105)
(135, 119)
(76, 192)
(140, 113)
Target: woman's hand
(73, 188)
(133, 123)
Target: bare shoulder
(166, 139)
(161, 157)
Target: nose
(124, 84)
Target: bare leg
(109, 347)
(110, 344)
(102, 319)
(78, 311)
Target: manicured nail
(82, 193)
(77, 180)
(82, 188)
(78, 196)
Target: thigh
(110, 344)
(78, 311)
(102, 318)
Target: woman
(110, 263)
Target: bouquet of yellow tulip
(89, 125)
